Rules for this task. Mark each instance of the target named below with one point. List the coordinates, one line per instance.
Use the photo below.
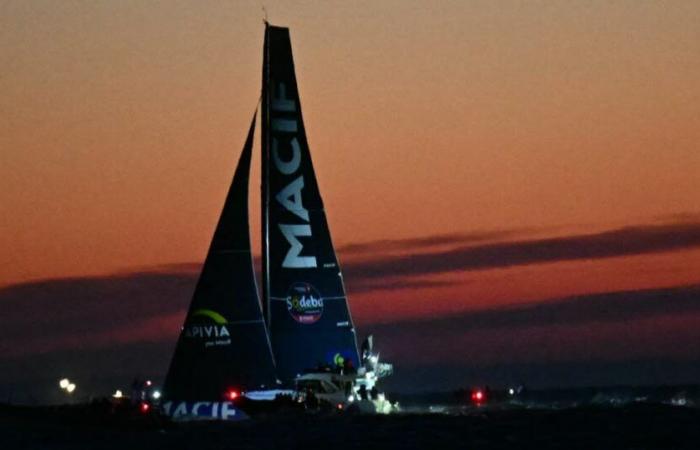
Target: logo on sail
(285, 142)
(199, 326)
(304, 303)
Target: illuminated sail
(303, 293)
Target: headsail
(306, 307)
(224, 342)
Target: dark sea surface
(615, 418)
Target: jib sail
(224, 344)
(303, 293)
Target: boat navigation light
(156, 394)
(148, 383)
(117, 394)
(511, 391)
(232, 394)
(351, 398)
(63, 383)
(70, 388)
(478, 396)
(145, 407)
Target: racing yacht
(298, 345)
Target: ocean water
(459, 401)
(616, 418)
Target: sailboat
(232, 344)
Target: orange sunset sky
(472, 155)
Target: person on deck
(363, 392)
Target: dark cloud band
(620, 242)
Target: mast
(264, 141)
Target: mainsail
(224, 343)
(303, 293)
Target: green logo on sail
(213, 315)
(213, 334)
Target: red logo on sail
(304, 303)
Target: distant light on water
(478, 396)
(66, 385)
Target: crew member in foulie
(363, 392)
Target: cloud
(619, 242)
(679, 217)
(363, 275)
(393, 285)
(147, 307)
(59, 313)
(611, 307)
(75, 311)
(112, 359)
(419, 243)
(609, 328)
(100, 311)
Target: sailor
(363, 392)
(137, 390)
(311, 401)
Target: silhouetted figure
(363, 392)
(137, 391)
(311, 399)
